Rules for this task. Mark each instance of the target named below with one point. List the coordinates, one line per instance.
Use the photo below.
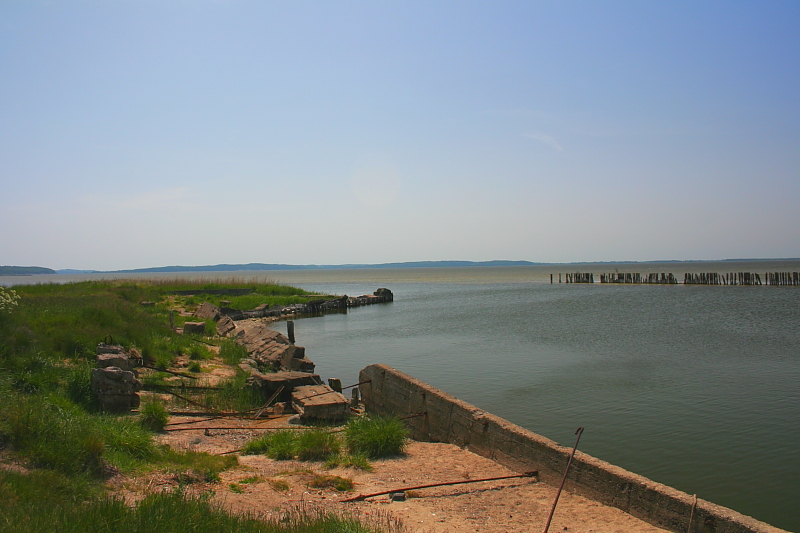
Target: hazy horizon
(141, 133)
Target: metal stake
(578, 432)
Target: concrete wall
(448, 419)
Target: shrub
(153, 416)
(375, 436)
(194, 367)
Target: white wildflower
(9, 299)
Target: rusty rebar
(578, 432)
(361, 497)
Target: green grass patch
(356, 461)
(375, 436)
(280, 445)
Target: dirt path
(262, 486)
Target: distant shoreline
(254, 267)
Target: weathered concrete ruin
(444, 418)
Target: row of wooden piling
(689, 278)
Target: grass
(231, 353)
(355, 461)
(279, 445)
(279, 485)
(317, 445)
(43, 503)
(336, 483)
(313, 445)
(375, 436)
(153, 416)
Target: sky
(141, 133)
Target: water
(697, 387)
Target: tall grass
(376, 436)
(231, 353)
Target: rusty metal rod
(169, 372)
(266, 404)
(182, 397)
(361, 497)
(578, 432)
(215, 428)
(357, 384)
(424, 413)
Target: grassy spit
(63, 449)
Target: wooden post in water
(290, 330)
(551, 279)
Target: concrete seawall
(450, 420)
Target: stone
(319, 402)
(194, 328)
(208, 310)
(105, 360)
(115, 389)
(225, 325)
(386, 294)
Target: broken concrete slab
(268, 383)
(194, 328)
(319, 402)
(270, 348)
(224, 326)
(208, 310)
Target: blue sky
(138, 133)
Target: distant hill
(24, 271)
(264, 266)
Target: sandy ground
(265, 487)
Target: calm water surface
(697, 387)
